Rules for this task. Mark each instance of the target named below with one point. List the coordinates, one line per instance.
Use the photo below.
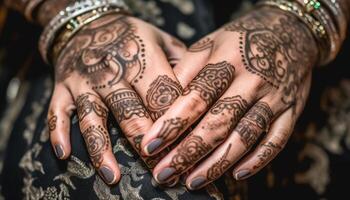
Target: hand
(116, 63)
(253, 75)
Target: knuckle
(134, 126)
(195, 103)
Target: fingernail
(197, 183)
(165, 174)
(242, 174)
(107, 174)
(153, 145)
(59, 151)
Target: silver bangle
(70, 12)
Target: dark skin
(108, 65)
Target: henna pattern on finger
(269, 151)
(261, 114)
(97, 142)
(161, 94)
(202, 45)
(276, 47)
(52, 122)
(126, 104)
(226, 113)
(191, 150)
(104, 52)
(85, 106)
(255, 121)
(220, 166)
(171, 128)
(212, 81)
(248, 131)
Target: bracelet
(70, 12)
(314, 8)
(30, 8)
(338, 14)
(317, 28)
(73, 26)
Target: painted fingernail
(59, 151)
(153, 145)
(107, 174)
(242, 174)
(197, 183)
(165, 174)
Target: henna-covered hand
(116, 63)
(248, 78)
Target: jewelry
(316, 27)
(31, 7)
(73, 26)
(76, 9)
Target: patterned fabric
(314, 164)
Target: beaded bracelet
(317, 28)
(76, 9)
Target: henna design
(125, 104)
(202, 45)
(270, 150)
(85, 106)
(161, 94)
(190, 151)
(212, 81)
(52, 123)
(234, 106)
(261, 114)
(97, 142)
(108, 48)
(254, 122)
(172, 127)
(276, 47)
(248, 132)
(220, 166)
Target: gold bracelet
(316, 27)
(76, 24)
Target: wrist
(49, 9)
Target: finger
(93, 115)
(192, 61)
(249, 128)
(173, 48)
(275, 140)
(60, 110)
(205, 89)
(272, 144)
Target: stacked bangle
(73, 26)
(316, 27)
(71, 14)
(31, 7)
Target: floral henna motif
(85, 106)
(212, 81)
(161, 94)
(97, 142)
(190, 152)
(107, 49)
(276, 47)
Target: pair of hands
(241, 86)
